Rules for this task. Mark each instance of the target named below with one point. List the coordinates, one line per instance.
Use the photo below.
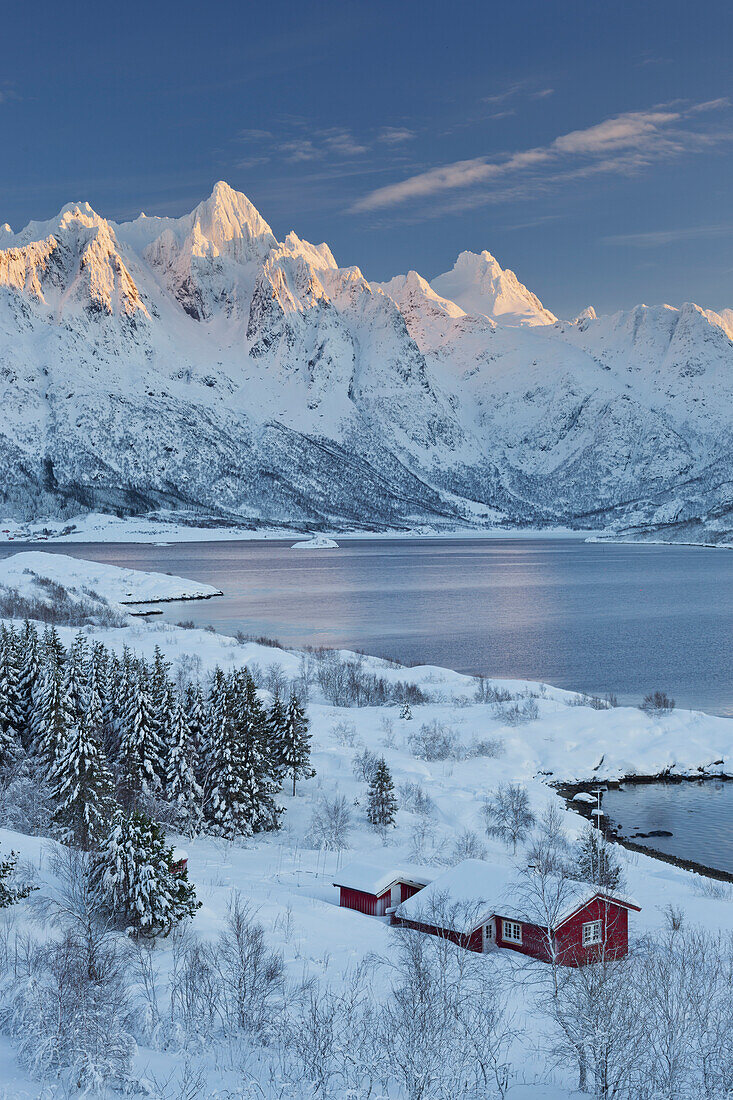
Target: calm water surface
(699, 816)
(590, 617)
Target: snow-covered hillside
(198, 364)
(287, 880)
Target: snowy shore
(523, 732)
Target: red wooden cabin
(457, 906)
(372, 890)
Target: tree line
(120, 751)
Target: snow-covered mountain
(199, 364)
(478, 284)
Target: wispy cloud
(294, 139)
(624, 143)
(657, 237)
(395, 135)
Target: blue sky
(587, 145)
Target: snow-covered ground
(117, 585)
(163, 527)
(289, 884)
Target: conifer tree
(595, 861)
(196, 719)
(11, 892)
(260, 766)
(29, 671)
(275, 730)
(76, 677)
(81, 782)
(296, 751)
(52, 647)
(145, 890)
(10, 700)
(381, 801)
(181, 788)
(140, 752)
(228, 803)
(55, 715)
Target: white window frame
(511, 931)
(592, 932)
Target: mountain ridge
(200, 364)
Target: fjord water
(593, 617)
(698, 815)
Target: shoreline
(567, 791)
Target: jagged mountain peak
(479, 285)
(228, 215)
(413, 293)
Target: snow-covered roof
(461, 898)
(468, 894)
(373, 878)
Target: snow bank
(80, 578)
(318, 542)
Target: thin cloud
(625, 143)
(395, 135)
(657, 237)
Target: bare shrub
(435, 741)
(486, 692)
(488, 747)
(364, 765)
(67, 1003)
(330, 825)
(344, 733)
(58, 607)
(346, 683)
(413, 798)
(507, 814)
(467, 846)
(276, 681)
(656, 704)
(518, 714)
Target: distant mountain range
(201, 365)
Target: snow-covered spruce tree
(275, 729)
(10, 891)
(29, 670)
(11, 716)
(144, 890)
(55, 715)
(260, 764)
(227, 803)
(196, 717)
(76, 676)
(181, 788)
(295, 753)
(595, 861)
(381, 801)
(81, 782)
(139, 761)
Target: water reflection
(698, 815)
(597, 618)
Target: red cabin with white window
(458, 905)
(372, 890)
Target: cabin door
(489, 942)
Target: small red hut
(470, 905)
(372, 890)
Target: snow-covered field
(289, 884)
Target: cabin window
(512, 931)
(592, 932)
